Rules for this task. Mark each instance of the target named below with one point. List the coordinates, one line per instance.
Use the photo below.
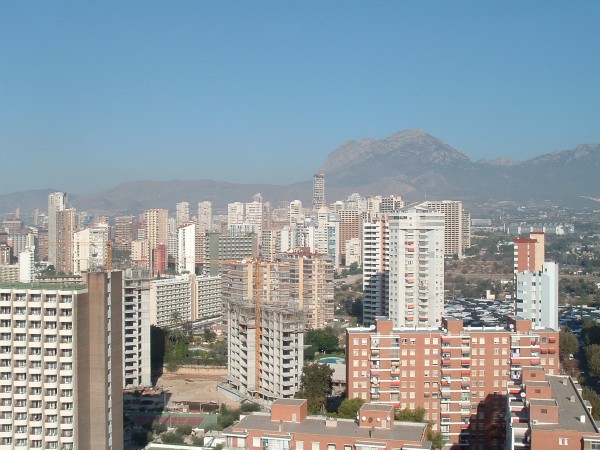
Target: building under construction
(274, 369)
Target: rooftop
(570, 413)
(289, 401)
(316, 425)
(44, 286)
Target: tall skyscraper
(182, 214)
(204, 219)
(65, 228)
(61, 375)
(375, 268)
(416, 262)
(156, 231)
(57, 201)
(457, 225)
(318, 190)
(186, 248)
(124, 232)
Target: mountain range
(410, 163)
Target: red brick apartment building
(547, 412)
(458, 374)
(288, 427)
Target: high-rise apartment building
(416, 267)
(57, 201)
(173, 300)
(136, 332)
(295, 212)
(124, 232)
(311, 286)
(186, 248)
(240, 281)
(318, 191)
(391, 203)
(65, 228)
(459, 375)
(274, 371)
(221, 247)
(375, 268)
(156, 231)
(529, 253)
(235, 213)
(350, 228)
(90, 249)
(60, 364)
(204, 218)
(209, 297)
(182, 213)
(537, 296)
(457, 222)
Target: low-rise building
(288, 426)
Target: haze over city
(97, 94)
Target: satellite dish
(364, 418)
(522, 394)
(378, 419)
(370, 419)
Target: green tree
(158, 427)
(171, 438)
(349, 408)
(409, 415)
(590, 395)
(592, 353)
(591, 332)
(209, 335)
(325, 341)
(316, 385)
(183, 430)
(568, 344)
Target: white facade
(26, 266)
(172, 238)
(235, 213)
(204, 218)
(136, 334)
(537, 296)
(354, 252)
(209, 297)
(90, 249)
(295, 212)
(173, 300)
(182, 213)
(416, 261)
(186, 248)
(254, 215)
(375, 268)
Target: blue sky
(96, 93)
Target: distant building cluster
(266, 273)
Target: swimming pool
(332, 360)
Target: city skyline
(94, 97)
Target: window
(563, 441)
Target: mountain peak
(402, 146)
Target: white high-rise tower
(416, 267)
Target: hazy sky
(96, 93)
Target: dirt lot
(194, 386)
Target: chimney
(331, 422)
(573, 398)
(582, 418)
(280, 428)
